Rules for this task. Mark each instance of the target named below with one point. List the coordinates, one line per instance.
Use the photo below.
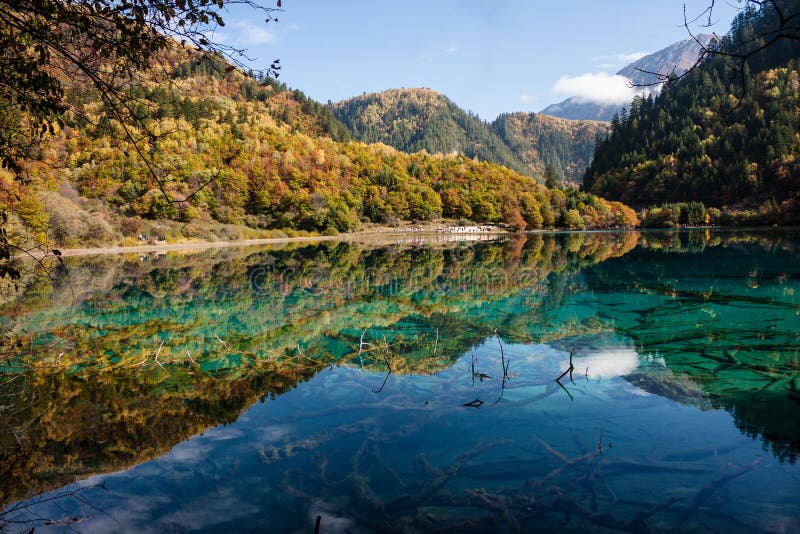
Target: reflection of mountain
(725, 327)
(153, 352)
(85, 393)
(64, 425)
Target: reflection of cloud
(606, 363)
(192, 451)
(275, 433)
(133, 516)
(222, 433)
(332, 523)
(211, 509)
(601, 87)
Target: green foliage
(294, 108)
(551, 180)
(116, 393)
(721, 135)
(573, 220)
(676, 214)
(224, 145)
(539, 141)
(412, 120)
(160, 207)
(421, 119)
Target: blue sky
(489, 57)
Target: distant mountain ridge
(418, 119)
(575, 109)
(538, 140)
(680, 57)
(412, 120)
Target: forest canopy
(724, 135)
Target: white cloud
(245, 33)
(528, 98)
(452, 49)
(601, 87)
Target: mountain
(537, 140)
(725, 135)
(236, 157)
(574, 108)
(679, 57)
(422, 119)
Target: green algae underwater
(638, 382)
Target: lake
(582, 381)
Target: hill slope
(708, 138)
(421, 119)
(236, 157)
(538, 140)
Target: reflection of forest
(122, 359)
(722, 313)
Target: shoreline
(404, 235)
(391, 235)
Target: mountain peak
(422, 119)
(397, 94)
(677, 57)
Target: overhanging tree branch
(47, 47)
(783, 19)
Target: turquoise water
(411, 388)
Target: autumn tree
(45, 45)
(551, 179)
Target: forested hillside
(412, 120)
(539, 140)
(725, 135)
(231, 156)
(422, 119)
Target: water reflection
(723, 312)
(360, 352)
(609, 362)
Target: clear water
(410, 388)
